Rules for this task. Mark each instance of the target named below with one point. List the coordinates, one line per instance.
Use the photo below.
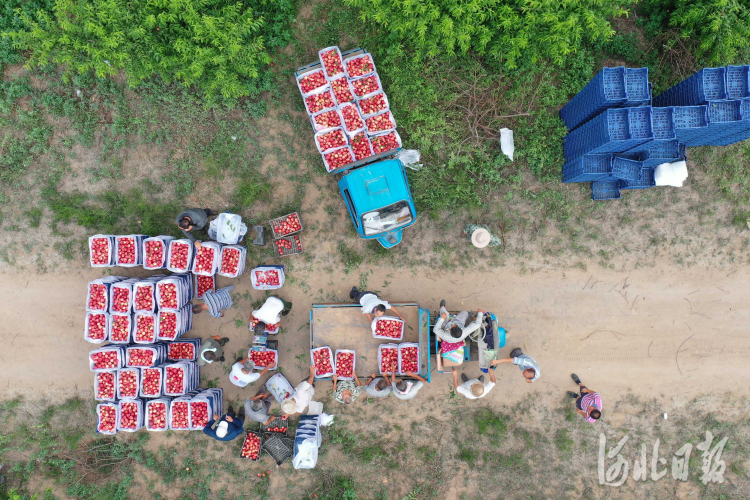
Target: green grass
(488, 422)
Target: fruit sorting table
(343, 326)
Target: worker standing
(371, 304)
(474, 388)
(528, 366)
(194, 219)
(303, 394)
(214, 302)
(270, 313)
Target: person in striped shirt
(589, 403)
(214, 302)
(526, 364)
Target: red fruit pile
(328, 119)
(154, 253)
(384, 143)
(389, 328)
(381, 122)
(167, 325)
(167, 296)
(352, 119)
(120, 328)
(128, 416)
(360, 66)
(120, 299)
(269, 328)
(100, 251)
(181, 350)
(230, 260)
(319, 102)
(267, 278)
(373, 104)
(263, 359)
(286, 225)
(178, 256)
(298, 242)
(282, 245)
(144, 298)
(105, 360)
(140, 357)
(205, 283)
(157, 416)
(332, 62)
(106, 385)
(312, 81)
(199, 413)
(175, 377)
(151, 382)
(361, 146)
(388, 359)
(322, 362)
(339, 158)
(107, 418)
(332, 139)
(365, 86)
(180, 415)
(97, 326)
(277, 428)
(125, 250)
(204, 260)
(409, 360)
(251, 447)
(345, 364)
(144, 329)
(340, 88)
(97, 297)
(128, 383)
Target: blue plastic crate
(639, 120)
(588, 168)
(645, 180)
(706, 85)
(637, 89)
(690, 122)
(629, 170)
(738, 82)
(724, 111)
(608, 132)
(662, 152)
(662, 123)
(731, 139)
(605, 90)
(605, 190)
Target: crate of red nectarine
(322, 359)
(385, 141)
(183, 349)
(264, 358)
(380, 123)
(151, 382)
(144, 296)
(102, 250)
(342, 92)
(121, 297)
(207, 258)
(325, 120)
(204, 284)
(333, 64)
(373, 104)
(408, 358)
(179, 414)
(232, 260)
(353, 122)
(106, 358)
(105, 386)
(338, 159)
(286, 225)
(107, 415)
(330, 139)
(155, 250)
(320, 100)
(288, 245)
(157, 415)
(201, 412)
(97, 298)
(128, 250)
(128, 382)
(145, 328)
(387, 358)
(267, 277)
(346, 360)
(131, 415)
(180, 256)
(366, 86)
(311, 81)
(251, 446)
(361, 65)
(120, 328)
(96, 328)
(387, 327)
(361, 146)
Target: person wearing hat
(303, 394)
(270, 313)
(257, 407)
(474, 388)
(226, 428)
(211, 350)
(242, 372)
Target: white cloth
(369, 301)
(239, 378)
(671, 174)
(303, 394)
(506, 142)
(465, 388)
(269, 313)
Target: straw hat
(480, 238)
(289, 406)
(477, 389)
(222, 428)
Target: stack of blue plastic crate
(618, 134)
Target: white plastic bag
(409, 158)
(506, 142)
(671, 174)
(307, 455)
(227, 228)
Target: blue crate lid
(605, 190)
(637, 89)
(738, 82)
(618, 127)
(626, 169)
(662, 149)
(639, 120)
(645, 180)
(612, 82)
(689, 117)
(724, 111)
(662, 123)
(712, 83)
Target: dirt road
(662, 332)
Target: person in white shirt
(242, 372)
(270, 313)
(474, 388)
(303, 394)
(371, 304)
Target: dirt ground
(664, 334)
